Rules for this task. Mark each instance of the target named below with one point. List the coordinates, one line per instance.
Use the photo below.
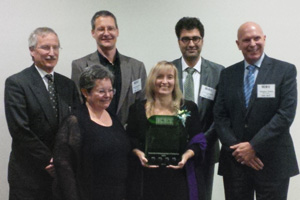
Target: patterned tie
(52, 93)
(189, 85)
(248, 84)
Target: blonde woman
(164, 98)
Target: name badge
(207, 92)
(266, 91)
(136, 86)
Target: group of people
(86, 138)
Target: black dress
(160, 183)
(90, 159)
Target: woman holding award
(164, 133)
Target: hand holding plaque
(165, 140)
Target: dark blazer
(131, 70)
(210, 73)
(32, 124)
(266, 122)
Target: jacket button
(246, 125)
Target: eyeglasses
(108, 29)
(104, 92)
(195, 39)
(48, 48)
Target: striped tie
(248, 84)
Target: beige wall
(146, 33)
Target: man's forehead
(102, 20)
(193, 31)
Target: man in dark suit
(190, 34)
(130, 74)
(255, 108)
(33, 116)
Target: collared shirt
(257, 64)
(115, 69)
(43, 75)
(196, 76)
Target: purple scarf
(200, 140)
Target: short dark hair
(91, 74)
(103, 13)
(189, 23)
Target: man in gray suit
(130, 74)
(34, 108)
(190, 34)
(255, 107)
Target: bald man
(254, 110)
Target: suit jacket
(210, 73)
(32, 124)
(131, 70)
(266, 122)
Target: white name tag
(136, 85)
(207, 92)
(266, 91)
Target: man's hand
(255, 163)
(245, 154)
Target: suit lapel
(94, 59)
(125, 74)
(178, 65)
(204, 76)
(39, 90)
(239, 75)
(61, 91)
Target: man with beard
(204, 76)
(37, 99)
(130, 74)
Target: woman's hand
(184, 158)
(50, 168)
(143, 159)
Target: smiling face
(251, 41)
(101, 95)
(164, 82)
(190, 49)
(46, 52)
(105, 33)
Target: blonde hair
(150, 87)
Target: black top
(115, 69)
(90, 159)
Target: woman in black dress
(164, 98)
(91, 149)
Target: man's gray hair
(41, 31)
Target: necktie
(189, 85)
(52, 93)
(248, 84)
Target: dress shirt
(43, 75)
(196, 76)
(257, 64)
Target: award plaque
(165, 140)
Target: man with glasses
(198, 79)
(37, 99)
(130, 74)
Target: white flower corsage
(182, 115)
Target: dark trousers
(242, 188)
(209, 171)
